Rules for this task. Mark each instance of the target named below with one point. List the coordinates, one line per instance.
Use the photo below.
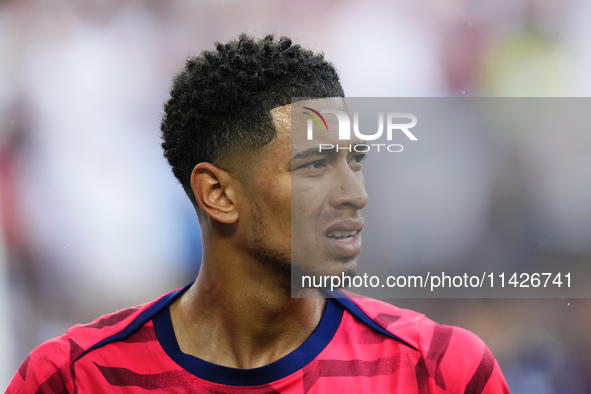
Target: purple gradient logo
(345, 129)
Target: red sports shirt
(360, 346)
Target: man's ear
(215, 191)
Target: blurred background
(93, 220)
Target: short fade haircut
(221, 100)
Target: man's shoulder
(49, 365)
(450, 356)
(413, 327)
(85, 336)
(404, 324)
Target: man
(227, 135)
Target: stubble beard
(280, 263)
(276, 261)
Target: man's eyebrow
(324, 152)
(314, 152)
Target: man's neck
(242, 320)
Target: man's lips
(342, 235)
(345, 227)
(345, 237)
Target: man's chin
(320, 277)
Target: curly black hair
(222, 99)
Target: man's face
(306, 204)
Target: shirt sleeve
(45, 370)
(454, 360)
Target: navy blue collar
(296, 360)
(352, 308)
(308, 351)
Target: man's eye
(314, 165)
(357, 158)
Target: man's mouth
(345, 243)
(342, 236)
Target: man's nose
(349, 190)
